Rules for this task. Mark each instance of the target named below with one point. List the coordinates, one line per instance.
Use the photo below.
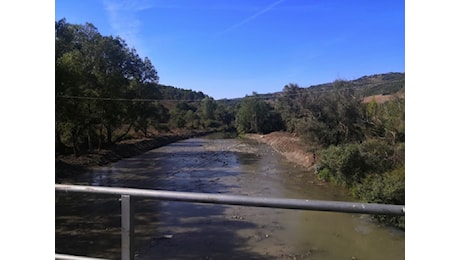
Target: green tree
(333, 117)
(225, 115)
(208, 112)
(289, 104)
(180, 115)
(256, 116)
(74, 118)
(93, 73)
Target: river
(89, 224)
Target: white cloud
(124, 20)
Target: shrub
(386, 188)
(378, 155)
(342, 164)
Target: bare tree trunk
(101, 129)
(109, 135)
(76, 150)
(124, 134)
(88, 137)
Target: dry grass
(382, 98)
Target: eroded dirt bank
(287, 145)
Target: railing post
(127, 228)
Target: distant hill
(374, 85)
(384, 84)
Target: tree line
(104, 91)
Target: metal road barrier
(127, 206)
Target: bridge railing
(127, 206)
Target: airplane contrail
(252, 17)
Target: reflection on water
(177, 230)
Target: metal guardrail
(74, 257)
(127, 206)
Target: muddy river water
(89, 224)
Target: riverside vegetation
(107, 94)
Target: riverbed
(89, 224)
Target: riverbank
(287, 145)
(68, 165)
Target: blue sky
(228, 49)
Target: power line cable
(302, 91)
